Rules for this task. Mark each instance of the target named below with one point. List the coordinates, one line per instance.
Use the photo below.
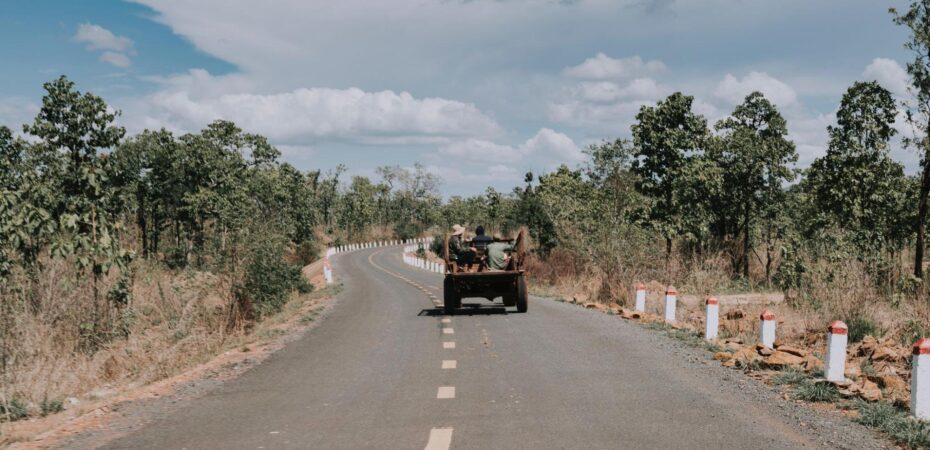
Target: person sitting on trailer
(498, 253)
(462, 255)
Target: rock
(746, 356)
(867, 346)
(732, 346)
(793, 350)
(729, 363)
(870, 391)
(894, 385)
(734, 315)
(627, 314)
(812, 363)
(723, 356)
(846, 393)
(852, 371)
(763, 350)
(884, 353)
(780, 359)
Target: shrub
(816, 392)
(13, 409)
(51, 406)
(307, 252)
(789, 376)
(268, 281)
(861, 326)
(895, 422)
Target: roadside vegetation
(127, 259)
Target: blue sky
(479, 91)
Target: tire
(521, 294)
(509, 299)
(450, 301)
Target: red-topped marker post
(767, 328)
(920, 380)
(835, 365)
(712, 319)
(671, 302)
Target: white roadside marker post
(835, 366)
(920, 379)
(640, 298)
(711, 319)
(767, 328)
(671, 303)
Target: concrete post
(767, 328)
(712, 319)
(835, 367)
(640, 297)
(920, 380)
(671, 303)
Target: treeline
(75, 188)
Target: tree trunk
(668, 252)
(746, 246)
(922, 219)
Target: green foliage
(894, 422)
(268, 280)
(917, 112)
(816, 392)
(51, 406)
(861, 326)
(13, 409)
(308, 251)
(790, 376)
(665, 138)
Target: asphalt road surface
(386, 369)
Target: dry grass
(832, 291)
(175, 321)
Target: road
(371, 375)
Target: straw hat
(457, 230)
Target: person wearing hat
(457, 250)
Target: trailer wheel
(521, 294)
(450, 301)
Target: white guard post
(920, 379)
(671, 303)
(640, 298)
(767, 328)
(835, 367)
(712, 319)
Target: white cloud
(308, 113)
(734, 90)
(546, 146)
(889, 74)
(116, 48)
(116, 59)
(99, 38)
(606, 91)
(603, 67)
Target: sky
(477, 91)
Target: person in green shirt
(498, 254)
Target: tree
(857, 183)
(80, 126)
(917, 20)
(665, 136)
(754, 155)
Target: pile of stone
(782, 356)
(886, 376)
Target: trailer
(478, 281)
